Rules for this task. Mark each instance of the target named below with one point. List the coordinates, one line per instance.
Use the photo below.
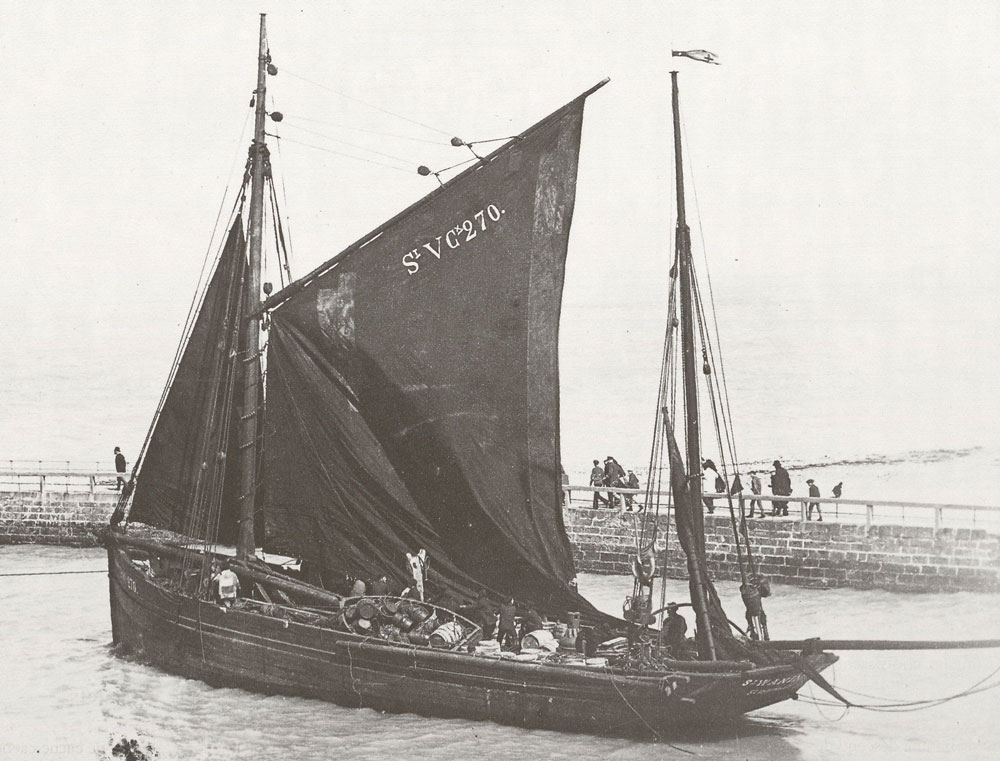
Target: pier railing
(58, 480)
(869, 512)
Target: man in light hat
(813, 492)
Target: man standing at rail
(781, 485)
(119, 468)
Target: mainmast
(250, 351)
(692, 436)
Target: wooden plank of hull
(262, 653)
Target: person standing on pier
(633, 483)
(597, 479)
(755, 489)
(813, 492)
(614, 475)
(838, 490)
(781, 485)
(120, 468)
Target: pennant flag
(698, 55)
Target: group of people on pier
(614, 476)
(781, 486)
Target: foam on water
(70, 697)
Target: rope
(363, 103)
(352, 145)
(913, 705)
(340, 153)
(362, 129)
(52, 573)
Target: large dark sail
(183, 469)
(413, 385)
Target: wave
(920, 456)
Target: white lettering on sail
(482, 221)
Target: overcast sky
(845, 156)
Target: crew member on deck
(674, 629)
(226, 585)
(507, 632)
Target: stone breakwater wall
(900, 558)
(903, 558)
(72, 519)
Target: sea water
(69, 696)
(808, 382)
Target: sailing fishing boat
(409, 413)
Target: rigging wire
(363, 103)
(340, 153)
(199, 290)
(350, 145)
(711, 297)
(364, 129)
(284, 196)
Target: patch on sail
(335, 308)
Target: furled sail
(183, 483)
(690, 523)
(413, 385)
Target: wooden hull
(266, 654)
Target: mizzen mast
(250, 351)
(692, 435)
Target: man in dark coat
(813, 492)
(597, 479)
(119, 468)
(674, 629)
(781, 486)
(613, 477)
(507, 631)
(632, 482)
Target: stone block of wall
(904, 558)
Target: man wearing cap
(119, 468)
(674, 629)
(781, 485)
(597, 479)
(631, 482)
(813, 492)
(613, 475)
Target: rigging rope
(364, 103)
(367, 131)
(340, 153)
(405, 160)
(911, 705)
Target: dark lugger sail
(408, 409)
